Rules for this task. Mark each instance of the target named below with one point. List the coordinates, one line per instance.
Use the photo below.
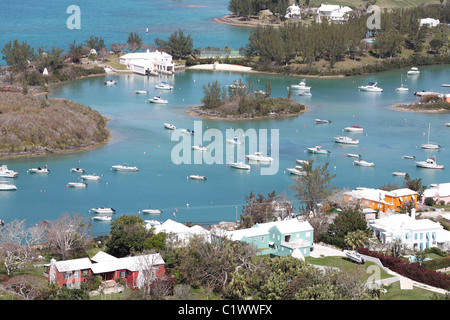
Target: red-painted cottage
(135, 271)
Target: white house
(333, 12)
(292, 11)
(428, 22)
(148, 62)
(181, 232)
(414, 233)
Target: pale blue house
(279, 238)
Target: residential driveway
(325, 251)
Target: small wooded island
(241, 102)
(34, 125)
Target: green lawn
(395, 293)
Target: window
(308, 234)
(415, 236)
(262, 239)
(122, 274)
(421, 236)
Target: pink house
(135, 271)
(439, 192)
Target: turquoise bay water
(139, 139)
(44, 23)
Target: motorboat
(318, 150)
(447, 124)
(152, 211)
(425, 93)
(103, 210)
(240, 165)
(413, 71)
(124, 168)
(197, 177)
(402, 86)
(102, 218)
(408, 157)
(110, 83)
(234, 140)
(258, 156)
(446, 84)
(301, 161)
(187, 131)
(354, 128)
(399, 174)
(140, 91)
(39, 170)
(158, 99)
(200, 148)
(301, 86)
(346, 140)
(363, 163)
(371, 86)
(77, 185)
(169, 126)
(430, 163)
(237, 84)
(298, 171)
(307, 94)
(353, 155)
(90, 177)
(6, 186)
(77, 170)
(354, 256)
(164, 86)
(321, 121)
(429, 145)
(7, 173)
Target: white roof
(441, 190)
(148, 55)
(75, 264)
(329, 7)
(396, 223)
(377, 194)
(171, 226)
(297, 254)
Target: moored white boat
(321, 121)
(110, 83)
(307, 94)
(429, 145)
(38, 170)
(240, 165)
(197, 177)
(354, 255)
(298, 171)
(353, 155)
(301, 161)
(152, 211)
(354, 128)
(200, 148)
(169, 126)
(77, 185)
(103, 210)
(447, 124)
(399, 173)
(258, 156)
(91, 177)
(408, 157)
(7, 173)
(346, 140)
(6, 186)
(371, 86)
(164, 86)
(140, 91)
(318, 150)
(413, 71)
(363, 163)
(158, 99)
(187, 131)
(124, 168)
(430, 163)
(402, 88)
(234, 140)
(301, 86)
(237, 84)
(77, 170)
(102, 218)
(446, 84)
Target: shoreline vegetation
(37, 125)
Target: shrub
(429, 201)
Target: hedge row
(413, 271)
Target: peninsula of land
(36, 125)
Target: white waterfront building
(292, 11)
(148, 62)
(333, 12)
(415, 233)
(429, 22)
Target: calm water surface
(139, 139)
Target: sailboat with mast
(429, 145)
(402, 86)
